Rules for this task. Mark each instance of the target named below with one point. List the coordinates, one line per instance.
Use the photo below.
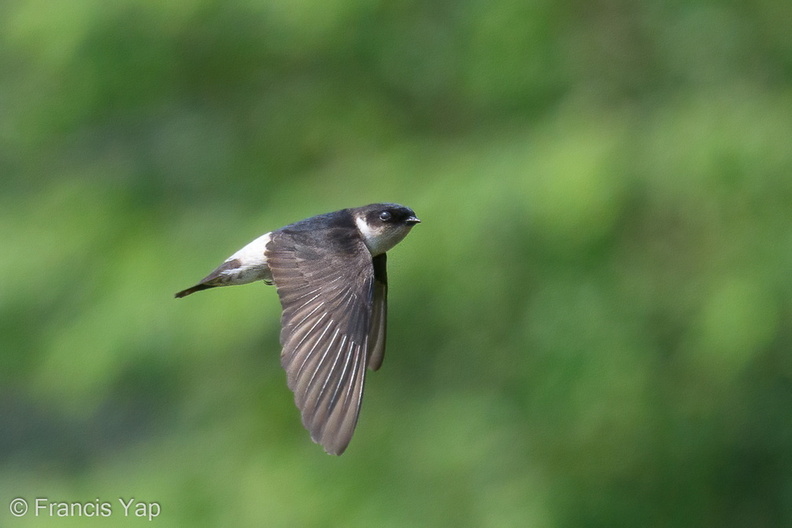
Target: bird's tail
(197, 287)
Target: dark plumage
(330, 274)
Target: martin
(329, 271)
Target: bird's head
(384, 225)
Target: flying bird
(330, 274)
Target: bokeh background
(590, 328)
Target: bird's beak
(411, 220)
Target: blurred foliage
(591, 327)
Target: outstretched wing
(379, 313)
(327, 301)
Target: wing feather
(326, 328)
(379, 313)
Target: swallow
(330, 275)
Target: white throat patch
(372, 237)
(380, 240)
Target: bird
(330, 275)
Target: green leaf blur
(590, 328)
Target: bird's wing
(379, 313)
(327, 300)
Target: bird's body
(330, 273)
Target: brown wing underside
(327, 321)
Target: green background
(590, 328)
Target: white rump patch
(252, 262)
(253, 253)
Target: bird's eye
(384, 216)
